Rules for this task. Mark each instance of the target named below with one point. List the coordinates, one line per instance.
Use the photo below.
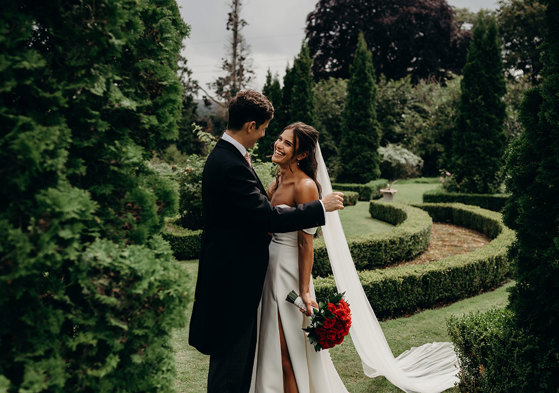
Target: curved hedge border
(185, 243)
(408, 239)
(494, 202)
(405, 289)
(367, 191)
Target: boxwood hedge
(493, 202)
(405, 289)
(408, 239)
(185, 243)
(367, 191)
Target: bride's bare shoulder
(305, 190)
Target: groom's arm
(254, 207)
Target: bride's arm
(305, 192)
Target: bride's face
(284, 148)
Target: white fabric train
(430, 368)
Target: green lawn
(356, 221)
(401, 334)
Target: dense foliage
(521, 24)
(361, 132)
(399, 163)
(89, 292)
(478, 141)
(420, 38)
(301, 105)
(533, 210)
(272, 90)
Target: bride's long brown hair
(305, 138)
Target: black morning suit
(238, 218)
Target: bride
(285, 361)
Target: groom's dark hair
(249, 105)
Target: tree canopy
(417, 37)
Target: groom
(238, 219)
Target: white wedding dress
(314, 371)
(430, 368)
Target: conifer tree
(272, 90)
(302, 98)
(533, 211)
(284, 114)
(359, 158)
(89, 291)
(479, 140)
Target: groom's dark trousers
(238, 220)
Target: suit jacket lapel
(229, 146)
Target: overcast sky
(275, 31)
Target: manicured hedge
(185, 243)
(493, 202)
(368, 191)
(350, 198)
(405, 289)
(408, 239)
(495, 356)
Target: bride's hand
(309, 301)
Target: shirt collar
(230, 139)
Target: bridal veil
(429, 368)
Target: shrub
(495, 357)
(185, 243)
(367, 191)
(89, 292)
(409, 238)
(494, 202)
(399, 163)
(402, 290)
(350, 198)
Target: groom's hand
(333, 201)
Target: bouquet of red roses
(330, 323)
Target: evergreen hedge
(402, 290)
(494, 356)
(89, 292)
(408, 239)
(367, 191)
(185, 243)
(494, 202)
(350, 198)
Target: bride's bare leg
(289, 383)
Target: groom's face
(255, 133)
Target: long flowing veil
(429, 368)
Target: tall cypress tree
(479, 141)
(361, 131)
(284, 115)
(302, 98)
(88, 289)
(533, 211)
(272, 90)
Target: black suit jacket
(238, 218)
